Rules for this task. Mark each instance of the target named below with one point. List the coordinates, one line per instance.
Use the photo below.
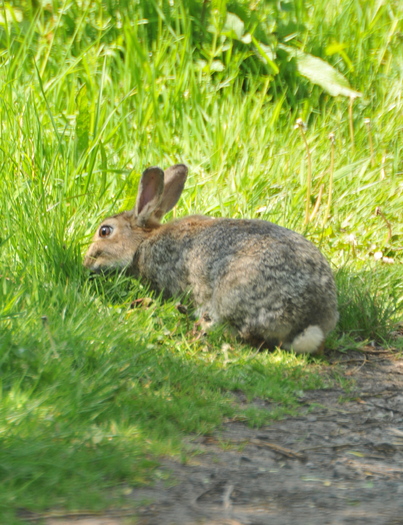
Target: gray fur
(269, 283)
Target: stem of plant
(300, 124)
(350, 121)
(332, 138)
(371, 145)
(317, 203)
(378, 211)
(383, 173)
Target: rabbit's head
(117, 239)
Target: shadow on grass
(90, 397)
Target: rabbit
(269, 283)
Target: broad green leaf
(321, 73)
(217, 65)
(9, 14)
(200, 64)
(233, 27)
(247, 38)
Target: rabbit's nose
(90, 262)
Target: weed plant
(95, 385)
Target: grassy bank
(95, 387)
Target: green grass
(92, 390)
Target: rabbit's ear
(149, 196)
(174, 182)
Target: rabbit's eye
(105, 231)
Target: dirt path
(340, 464)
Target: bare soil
(339, 462)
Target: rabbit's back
(269, 282)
